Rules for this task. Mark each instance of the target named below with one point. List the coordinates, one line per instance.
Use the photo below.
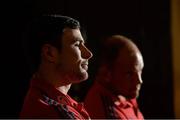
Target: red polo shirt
(44, 101)
(101, 103)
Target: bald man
(118, 81)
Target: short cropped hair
(110, 48)
(45, 29)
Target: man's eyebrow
(80, 40)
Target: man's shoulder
(35, 106)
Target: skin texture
(124, 77)
(68, 65)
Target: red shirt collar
(49, 90)
(117, 100)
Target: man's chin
(82, 77)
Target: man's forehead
(73, 34)
(130, 58)
(71, 31)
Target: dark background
(147, 22)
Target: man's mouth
(84, 66)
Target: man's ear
(49, 53)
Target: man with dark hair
(117, 82)
(55, 46)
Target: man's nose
(86, 53)
(140, 81)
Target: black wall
(147, 22)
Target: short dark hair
(110, 48)
(41, 30)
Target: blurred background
(154, 25)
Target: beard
(75, 76)
(74, 73)
(80, 76)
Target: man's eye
(77, 44)
(129, 74)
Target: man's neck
(59, 82)
(64, 89)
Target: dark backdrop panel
(144, 21)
